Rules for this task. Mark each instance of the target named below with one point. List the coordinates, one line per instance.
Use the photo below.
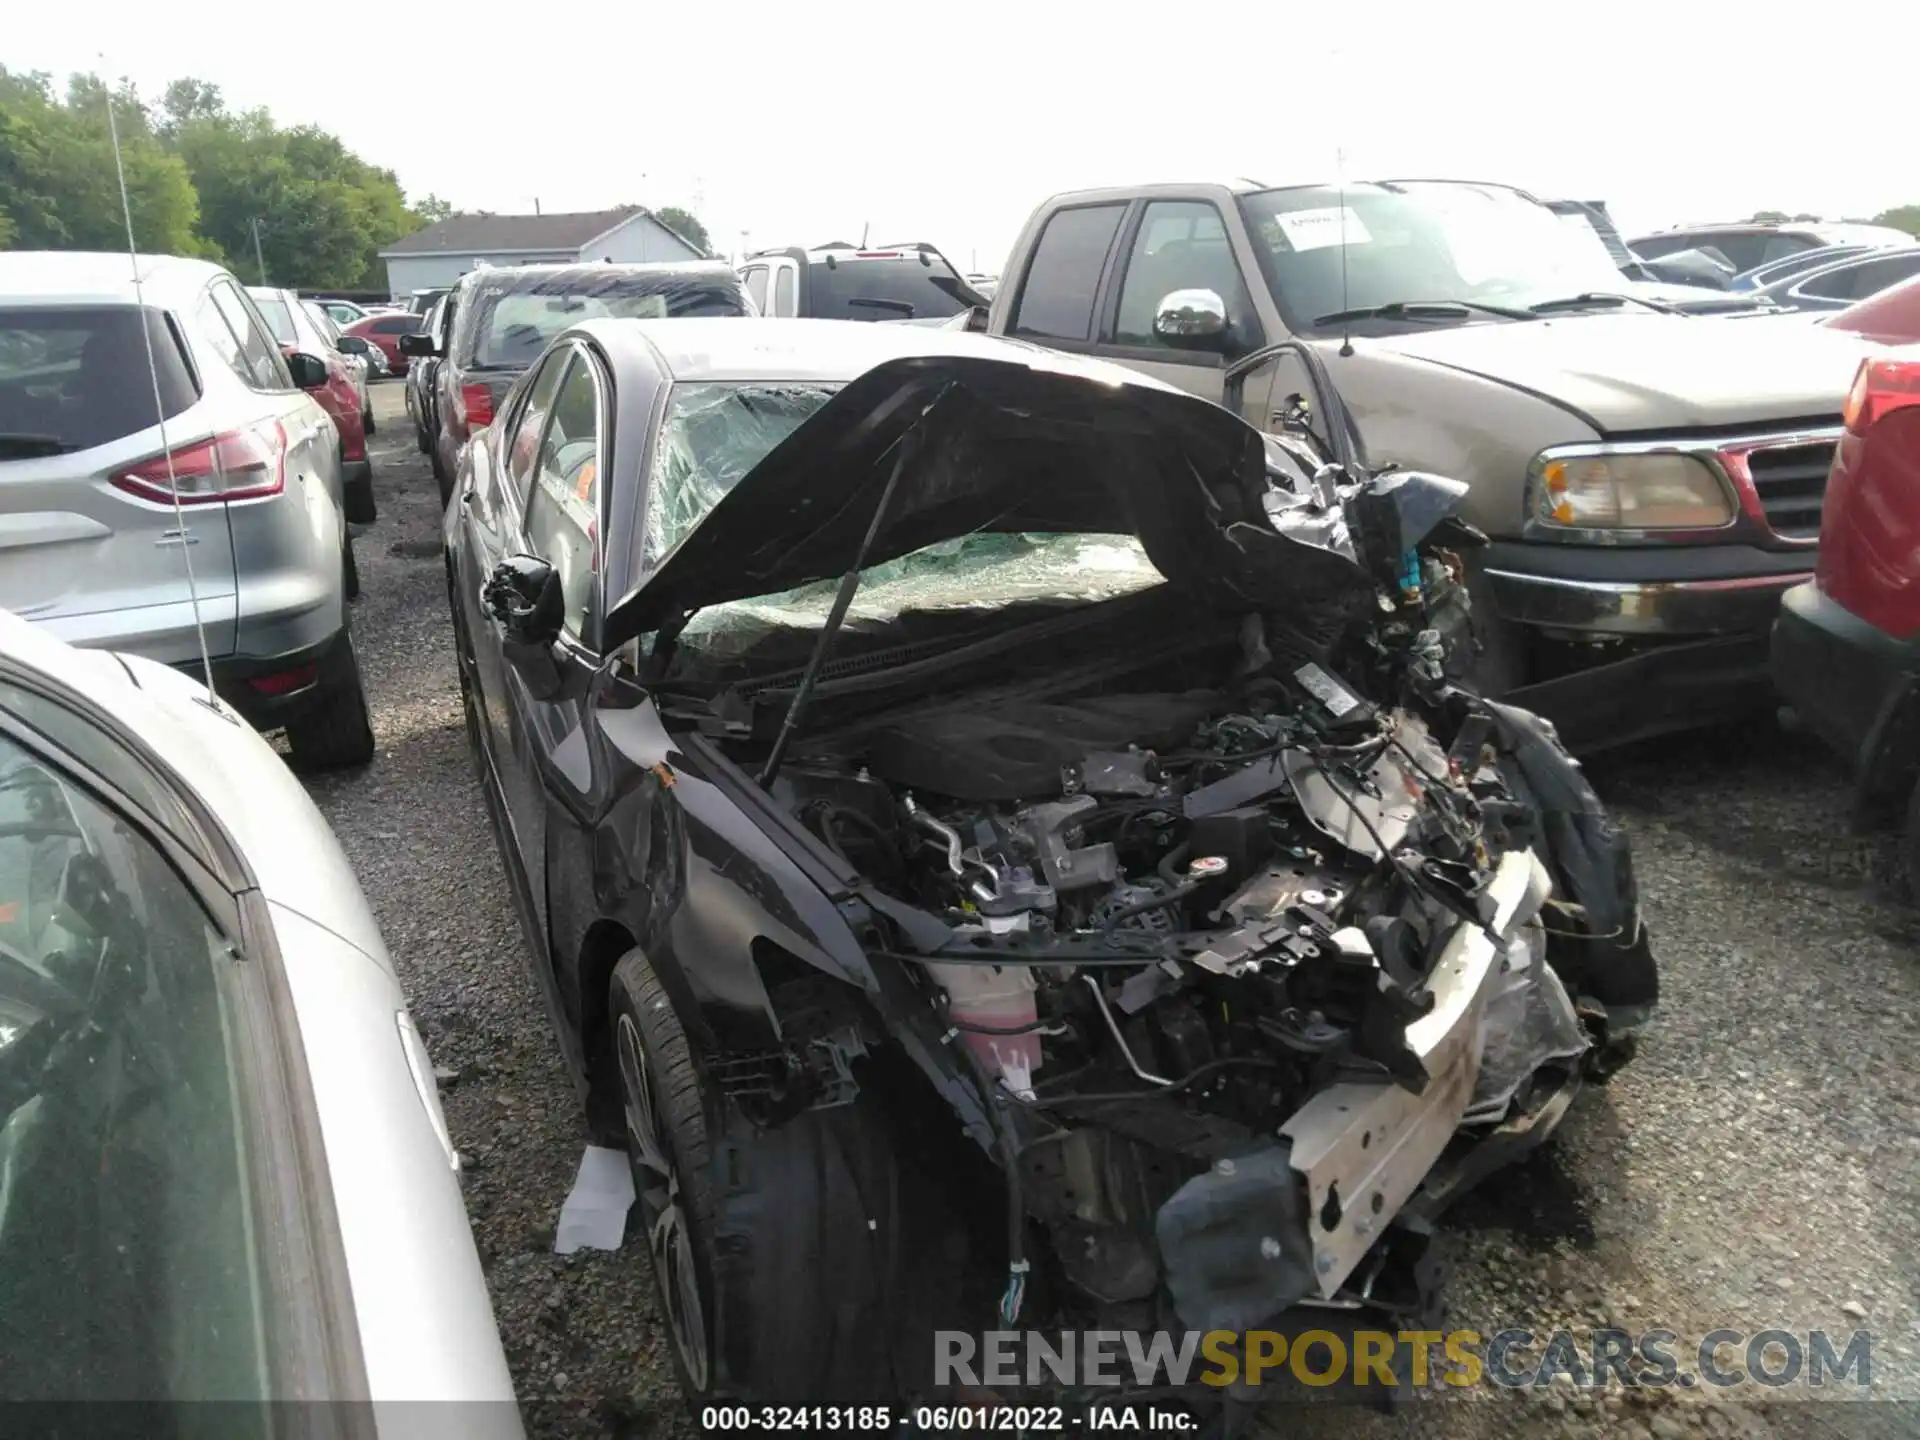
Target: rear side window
(783, 290)
(1056, 299)
(756, 280)
(396, 325)
(261, 365)
(71, 379)
(1872, 276)
(902, 289)
(279, 320)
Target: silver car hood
(1647, 372)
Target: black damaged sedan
(1001, 846)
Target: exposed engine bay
(1258, 937)
(1184, 926)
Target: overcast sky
(805, 123)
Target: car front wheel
(807, 1296)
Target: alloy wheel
(657, 1180)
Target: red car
(1846, 647)
(340, 397)
(1892, 317)
(385, 331)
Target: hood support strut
(836, 617)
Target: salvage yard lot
(1756, 1165)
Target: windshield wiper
(904, 307)
(1607, 298)
(1422, 310)
(15, 445)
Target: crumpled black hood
(1009, 439)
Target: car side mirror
(1192, 320)
(418, 346)
(352, 345)
(309, 371)
(524, 598)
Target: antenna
(159, 405)
(864, 228)
(1346, 299)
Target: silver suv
(90, 546)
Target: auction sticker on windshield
(1327, 225)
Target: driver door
(536, 738)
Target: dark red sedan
(384, 331)
(1846, 648)
(341, 397)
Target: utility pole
(258, 258)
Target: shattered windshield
(981, 572)
(714, 434)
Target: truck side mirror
(1191, 320)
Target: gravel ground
(1755, 1166)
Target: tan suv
(1651, 481)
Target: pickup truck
(1650, 482)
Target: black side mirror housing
(524, 597)
(352, 345)
(309, 371)
(417, 346)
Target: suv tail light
(239, 465)
(1882, 386)
(476, 405)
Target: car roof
(505, 276)
(85, 277)
(823, 352)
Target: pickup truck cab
(1650, 482)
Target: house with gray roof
(435, 257)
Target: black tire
(809, 1294)
(1906, 872)
(366, 420)
(335, 732)
(349, 569)
(442, 476)
(422, 439)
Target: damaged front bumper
(1256, 1234)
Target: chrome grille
(1791, 481)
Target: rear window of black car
(901, 289)
(508, 324)
(73, 378)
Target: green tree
(59, 187)
(201, 179)
(323, 213)
(432, 210)
(684, 224)
(1901, 217)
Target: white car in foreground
(224, 1170)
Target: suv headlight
(1571, 491)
